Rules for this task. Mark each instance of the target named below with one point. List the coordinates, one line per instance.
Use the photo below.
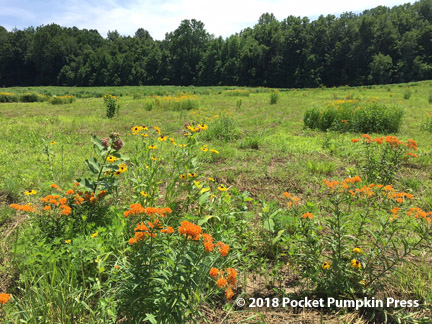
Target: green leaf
(278, 237)
(204, 198)
(151, 318)
(206, 219)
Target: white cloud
(221, 18)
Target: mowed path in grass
(271, 153)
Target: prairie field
(169, 204)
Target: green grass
(264, 147)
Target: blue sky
(221, 18)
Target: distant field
(264, 149)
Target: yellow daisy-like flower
(183, 176)
(94, 234)
(108, 172)
(30, 192)
(53, 143)
(136, 130)
(182, 145)
(68, 241)
(122, 168)
(326, 265)
(214, 151)
(116, 173)
(192, 175)
(158, 130)
(154, 158)
(203, 126)
(357, 250)
(172, 140)
(144, 194)
(356, 264)
(221, 187)
(211, 179)
(204, 149)
(152, 147)
(145, 128)
(144, 135)
(162, 138)
(111, 158)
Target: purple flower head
(105, 141)
(118, 144)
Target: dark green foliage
(354, 116)
(380, 45)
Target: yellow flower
(136, 130)
(94, 234)
(68, 241)
(192, 175)
(211, 179)
(111, 158)
(183, 176)
(326, 265)
(158, 130)
(53, 143)
(144, 135)
(214, 151)
(356, 264)
(182, 145)
(357, 250)
(116, 173)
(204, 149)
(144, 194)
(203, 126)
(122, 168)
(152, 147)
(222, 188)
(154, 158)
(162, 138)
(30, 192)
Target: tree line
(380, 45)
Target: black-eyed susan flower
(94, 235)
(111, 158)
(162, 138)
(144, 134)
(144, 194)
(214, 151)
(326, 265)
(144, 128)
(203, 126)
(53, 143)
(30, 192)
(211, 179)
(204, 149)
(192, 175)
(136, 130)
(221, 187)
(183, 176)
(122, 168)
(356, 264)
(158, 130)
(117, 173)
(152, 147)
(182, 145)
(154, 158)
(68, 241)
(357, 250)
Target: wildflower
(70, 192)
(182, 145)
(229, 293)
(144, 134)
(66, 210)
(118, 144)
(326, 265)
(152, 147)
(232, 276)
(56, 187)
(203, 126)
(192, 175)
(53, 143)
(204, 149)
(122, 168)
(144, 194)
(183, 176)
(211, 179)
(111, 159)
(355, 140)
(412, 154)
(214, 151)
(158, 130)
(68, 241)
(47, 208)
(222, 282)
(94, 235)
(208, 242)
(168, 230)
(308, 215)
(105, 142)
(135, 130)
(357, 250)
(221, 187)
(4, 298)
(30, 192)
(214, 272)
(191, 230)
(223, 248)
(162, 138)
(356, 264)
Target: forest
(378, 46)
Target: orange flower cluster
(144, 230)
(26, 208)
(308, 215)
(208, 242)
(393, 141)
(52, 201)
(137, 209)
(398, 196)
(292, 200)
(344, 185)
(191, 230)
(4, 298)
(419, 213)
(225, 278)
(223, 248)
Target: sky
(220, 17)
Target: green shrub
(274, 97)
(61, 100)
(112, 106)
(30, 97)
(427, 123)
(407, 94)
(8, 97)
(237, 93)
(355, 116)
(223, 129)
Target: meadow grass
(264, 148)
